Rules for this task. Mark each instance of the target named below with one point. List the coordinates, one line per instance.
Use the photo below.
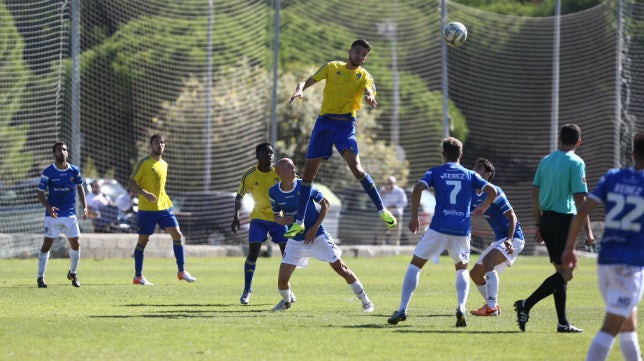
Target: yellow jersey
(150, 174)
(257, 183)
(344, 88)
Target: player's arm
(512, 226)
(536, 212)
(137, 188)
(311, 231)
(580, 219)
(81, 196)
(43, 200)
(491, 194)
(283, 220)
(300, 87)
(278, 213)
(234, 225)
(580, 199)
(370, 94)
(415, 202)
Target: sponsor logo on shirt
(453, 212)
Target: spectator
(395, 199)
(96, 200)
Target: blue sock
(177, 247)
(138, 260)
(249, 272)
(371, 189)
(303, 201)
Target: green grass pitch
(108, 318)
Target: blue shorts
(148, 220)
(328, 132)
(260, 229)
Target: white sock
(483, 291)
(409, 286)
(462, 288)
(492, 288)
(42, 263)
(630, 346)
(74, 258)
(600, 347)
(359, 291)
(286, 294)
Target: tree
(238, 122)
(15, 160)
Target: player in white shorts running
(620, 272)
(500, 254)
(450, 228)
(314, 242)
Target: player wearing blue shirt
(450, 228)
(509, 242)
(620, 271)
(316, 242)
(63, 182)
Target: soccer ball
(455, 34)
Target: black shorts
(554, 230)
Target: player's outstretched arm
(299, 88)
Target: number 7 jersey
(453, 188)
(622, 192)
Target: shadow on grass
(414, 329)
(407, 328)
(203, 311)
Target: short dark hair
(155, 136)
(452, 149)
(487, 164)
(261, 146)
(569, 134)
(361, 42)
(638, 145)
(58, 144)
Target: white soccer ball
(455, 34)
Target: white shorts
(433, 243)
(58, 225)
(323, 248)
(621, 286)
(517, 244)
